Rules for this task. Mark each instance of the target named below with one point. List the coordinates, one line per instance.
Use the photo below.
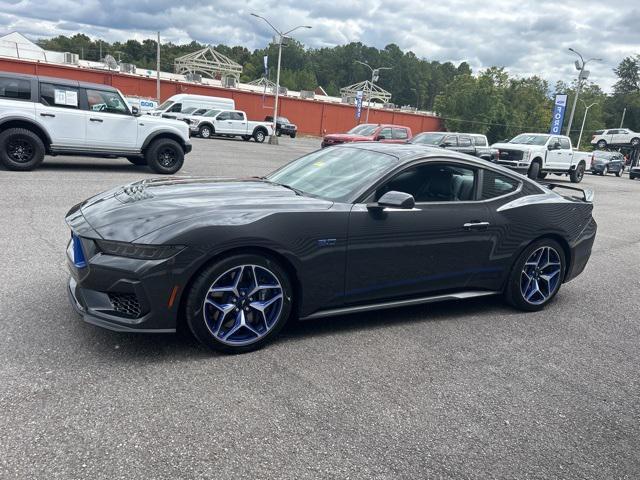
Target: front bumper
(124, 294)
(514, 165)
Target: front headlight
(135, 250)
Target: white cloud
(527, 37)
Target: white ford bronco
(538, 154)
(51, 116)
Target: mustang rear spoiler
(587, 193)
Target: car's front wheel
(238, 304)
(21, 149)
(536, 275)
(205, 131)
(165, 156)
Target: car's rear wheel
(536, 275)
(21, 149)
(165, 156)
(605, 170)
(137, 160)
(601, 143)
(577, 174)
(619, 172)
(635, 141)
(238, 304)
(259, 136)
(293, 135)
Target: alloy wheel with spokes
(237, 304)
(540, 275)
(20, 150)
(243, 304)
(536, 275)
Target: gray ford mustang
(345, 229)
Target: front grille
(512, 155)
(126, 304)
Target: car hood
(130, 212)
(347, 137)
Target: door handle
(476, 225)
(47, 115)
(96, 120)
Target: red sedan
(369, 132)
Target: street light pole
(273, 139)
(581, 76)
(375, 72)
(584, 119)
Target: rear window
(15, 88)
(598, 132)
(480, 140)
(495, 184)
(58, 95)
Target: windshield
(166, 105)
(364, 129)
(211, 113)
(527, 139)
(334, 173)
(428, 139)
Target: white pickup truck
(229, 123)
(538, 154)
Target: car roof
(61, 81)
(408, 152)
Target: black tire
(165, 156)
(542, 175)
(140, 161)
(605, 170)
(577, 174)
(619, 172)
(293, 135)
(635, 141)
(246, 138)
(534, 170)
(259, 135)
(632, 176)
(601, 143)
(278, 132)
(195, 309)
(205, 131)
(21, 149)
(513, 289)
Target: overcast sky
(526, 37)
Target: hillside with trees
(489, 101)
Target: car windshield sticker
(60, 97)
(72, 98)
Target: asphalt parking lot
(457, 390)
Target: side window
(495, 184)
(464, 141)
(224, 116)
(480, 141)
(400, 133)
(176, 107)
(450, 141)
(386, 133)
(200, 111)
(58, 95)
(15, 88)
(553, 141)
(565, 144)
(108, 102)
(433, 182)
(237, 116)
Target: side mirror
(393, 199)
(135, 111)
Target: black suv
(283, 126)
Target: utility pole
(158, 69)
(624, 112)
(273, 139)
(584, 119)
(100, 43)
(583, 75)
(375, 74)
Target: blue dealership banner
(559, 107)
(358, 104)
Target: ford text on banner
(358, 104)
(559, 107)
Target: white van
(182, 101)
